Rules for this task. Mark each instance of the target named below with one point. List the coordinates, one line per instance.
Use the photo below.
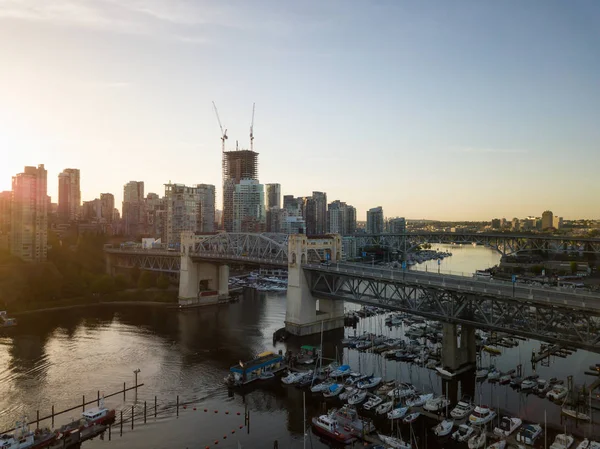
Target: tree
(162, 282)
(121, 282)
(573, 267)
(103, 284)
(147, 280)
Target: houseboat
(245, 372)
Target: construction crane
(252, 129)
(223, 133)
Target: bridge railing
(548, 294)
(139, 250)
(222, 256)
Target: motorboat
(436, 404)
(369, 383)
(588, 444)
(329, 427)
(562, 441)
(507, 426)
(292, 378)
(557, 392)
(493, 375)
(579, 416)
(397, 413)
(463, 433)
(481, 373)
(481, 415)
(24, 438)
(333, 391)
(99, 415)
(266, 375)
(528, 383)
(321, 387)
(500, 444)
(529, 433)
(542, 387)
(402, 391)
(411, 417)
(357, 397)
(419, 401)
(444, 428)
(348, 417)
(386, 387)
(462, 409)
(372, 402)
(348, 391)
(384, 408)
(396, 443)
(477, 441)
(504, 379)
(341, 371)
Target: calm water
(55, 358)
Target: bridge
(505, 244)
(317, 292)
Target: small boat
(372, 402)
(493, 375)
(342, 371)
(501, 444)
(588, 444)
(348, 391)
(463, 433)
(329, 427)
(348, 417)
(333, 391)
(481, 415)
(292, 378)
(5, 321)
(477, 441)
(266, 375)
(542, 387)
(321, 387)
(528, 383)
(397, 413)
(579, 416)
(492, 350)
(507, 426)
(402, 391)
(562, 441)
(23, 438)
(481, 373)
(245, 372)
(386, 387)
(99, 415)
(384, 408)
(557, 392)
(410, 418)
(357, 398)
(369, 383)
(419, 401)
(462, 409)
(444, 428)
(529, 433)
(436, 404)
(504, 379)
(396, 443)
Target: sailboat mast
(304, 419)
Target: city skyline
(430, 111)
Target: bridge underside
(577, 328)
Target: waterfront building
(547, 220)
(107, 205)
(275, 219)
(349, 249)
(249, 206)
(29, 214)
(273, 193)
(320, 220)
(133, 208)
(155, 209)
(187, 209)
(292, 205)
(375, 221)
(293, 225)
(397, 225)
(238, 166)
(341, 218)
(91, 211)
(69, 195)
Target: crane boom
(252, 129)
(223, 133)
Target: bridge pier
(302, 316)
(458, 355)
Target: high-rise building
(237, 166)
(375, 220)
(107, 201)
(273, 193)
(275, 219)
(188, 209)
(557, 222)
(515, 225)
(341, 218)
(547, 219)
(397, 225)
(5, 208)
(249, 206)
(29, 215)
(69, 195)
(309, 212)
(155, 209)
(293, 205)
(91, 211)
(320, 199)
(293, 225)
(133, 208)
(495, 223)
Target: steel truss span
(505, 244)
(268, 248)
(553, 321)
(148, 261)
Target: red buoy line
(216, 442)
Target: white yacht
(507, 426)
(482, 415)
(529, 433)
(478, 441)
(419, 401)
(436, 404)
(462, 409)
(444, 428)
(562, 441)
(463, 433)
(557, 392)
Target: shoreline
(102, 303)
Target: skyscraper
(5, 208)
(107, 201)
(320, 199)
(188, 209)
(341, 218)
(249, 207)
(206, 197)
(375, 220)
(547, 219)
(29, 224)
(273, 192)
(397, 225)
(69, 195)
(237, 166)
(133, 208)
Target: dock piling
(37, 424)
(155, 406)
(132, 416)
(52, 415)
(83, 403)
(98, 400)
(109, 431)
(144, 412)
(121, 422)
(178, 406)
(124, 389)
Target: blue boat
(245, 372)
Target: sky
(431, 109)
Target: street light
(136, 373)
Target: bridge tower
(200, 282)
(302, 316)
(458, 354)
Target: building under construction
(238, 165)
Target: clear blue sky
(435, 109)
